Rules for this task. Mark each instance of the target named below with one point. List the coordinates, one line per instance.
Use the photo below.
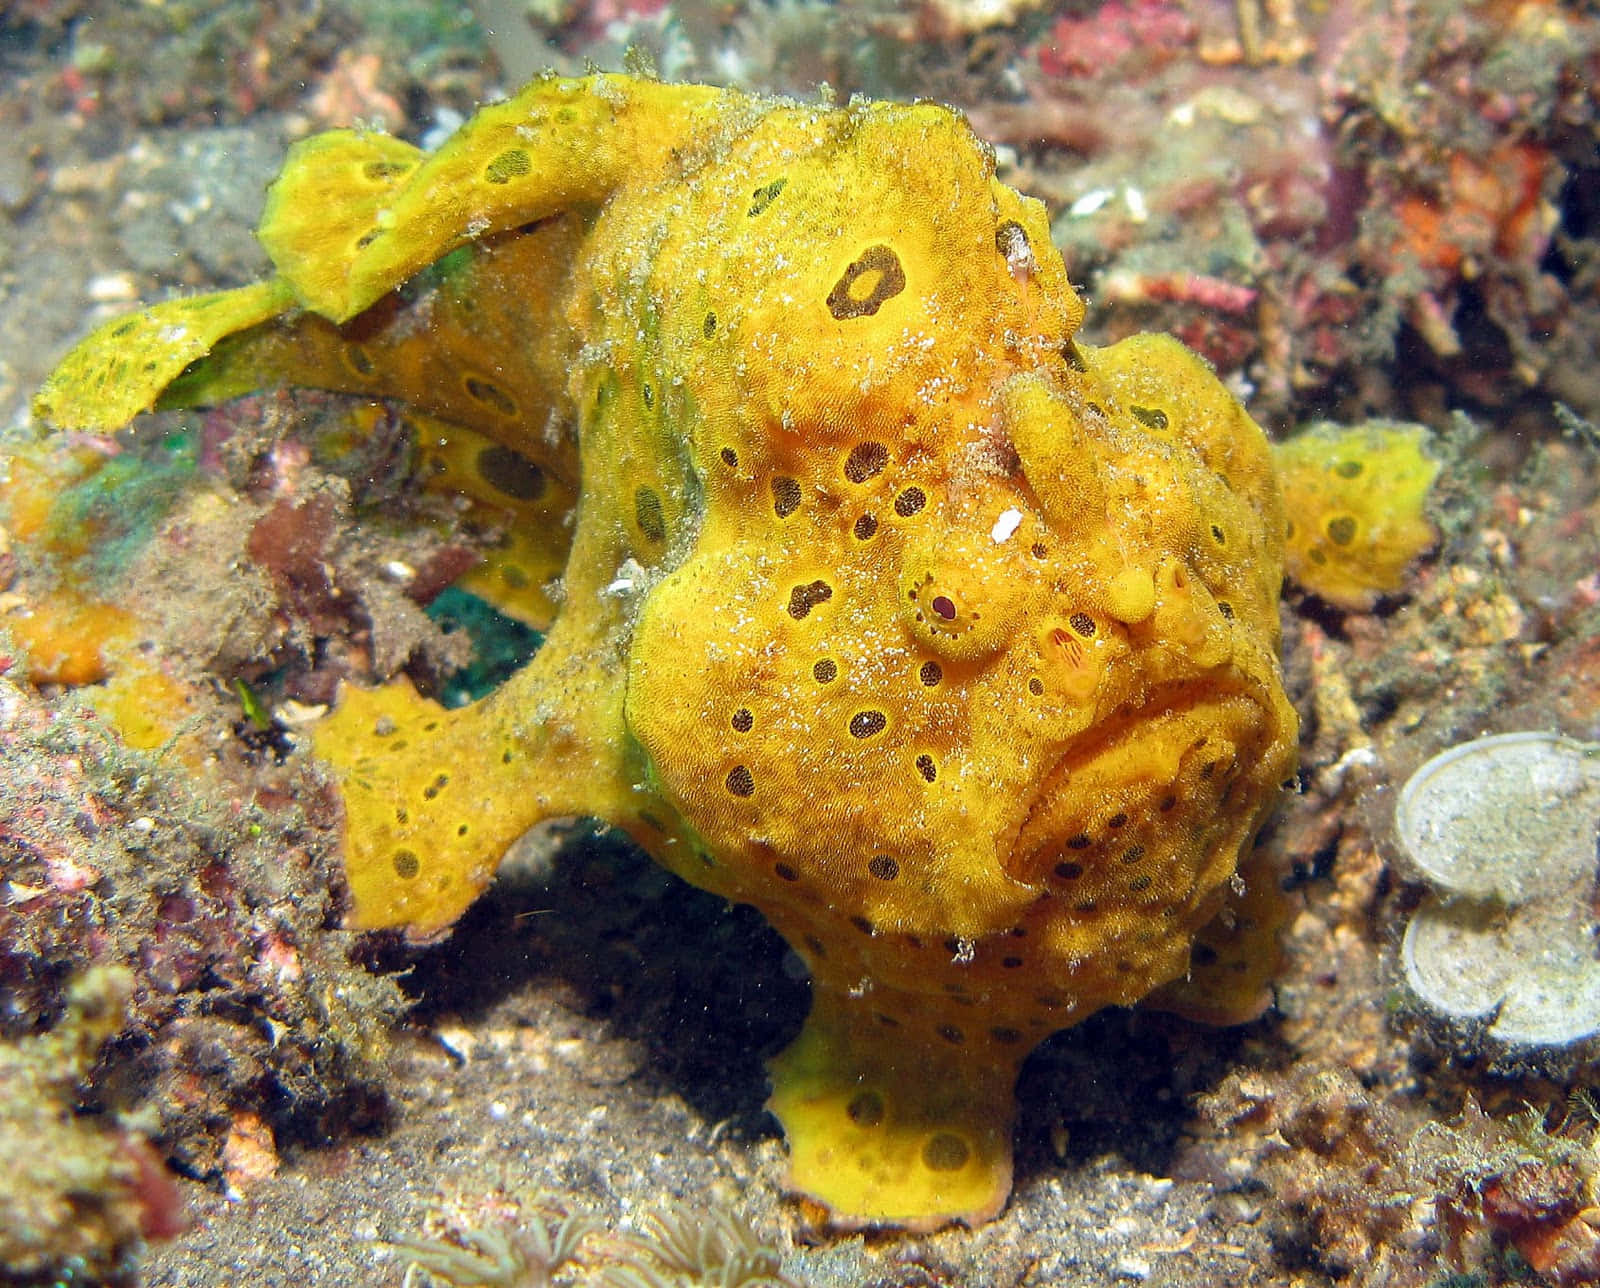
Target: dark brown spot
(708, 328)
(1118, 819)
(1225, 608)
(910, 502)
(510, 164)
(1141, 882)
(489, 395)
(865, 1109)
(1004, 1034)
(764, 196)
(951, 1034)
(742, 721)
(1011, 240)
(1133, 854)
(1152, 417)
(730, 458)
(944, 607)
(883, 867)
(1218, 535)
(406, 864)
(1348, 469)
(785, 496)
(945, 1152)
(927, 768)
(1080, 842)
(740, 781)
(1341, 530)
(1069, 871)
(866, 724)
(930, 673)
(785, 873)
(1167, 802)
(825, 671)
(378, 171)
(1011, 963)
(432, 790)
(1082, 623)
(866, 460)
(648, 515)
(802, 599)
(863, 925)
(1036, 686)
(865, 527)
(510, 472)
(852, 297)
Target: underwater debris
(1504, 829)
(1377, 1190)
(81, 1195)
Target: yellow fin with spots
(558, 145)
(529, 509)
(422, 837)
(324, 202)
(121, 368)
(889, 1124)
(1357, 503)
(433, 797)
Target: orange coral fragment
(68, 637)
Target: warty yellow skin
(947, 642)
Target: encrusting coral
(885, 606)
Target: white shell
(1505, 829)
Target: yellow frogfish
(874, 598)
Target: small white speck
(458, 1041)
(498, 1110)
(144, 823)
(1090, 202)
(1134, 200)
(1005, 526)
(398, 570)
(112, 288)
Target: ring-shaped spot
(875, 278)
